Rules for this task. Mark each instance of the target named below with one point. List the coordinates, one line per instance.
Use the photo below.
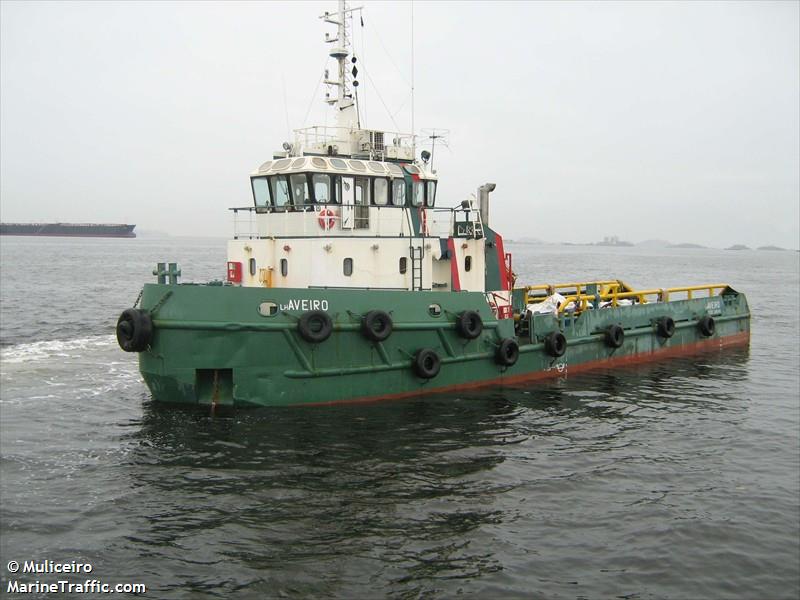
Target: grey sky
(638, 119)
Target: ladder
(416, 267)
(477, 228)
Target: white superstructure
(348, 207)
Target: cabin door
(348, 202)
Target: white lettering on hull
(305, 304)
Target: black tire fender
(555, 344)
(134, 330)
(469, 324)
(427, 363)
(315, 326)
(707, 326)
(376, 325)
(614, 336)
(507, 353)
(665, 327)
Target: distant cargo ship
(69, 229)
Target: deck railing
(613, 291)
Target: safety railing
(577, 298)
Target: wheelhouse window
(300, 190)
(280, 191)
(362, 202)
(381, 191)
(418, 194)
(398, 192)
(260, 191)
(347, 267)
(322, 188)
(430, 197)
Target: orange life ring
(327, 219)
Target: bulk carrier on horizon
(113, 230)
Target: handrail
(614, 291)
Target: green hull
(212, 346)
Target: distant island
(771, 248)
(738, 247)
(685, 245)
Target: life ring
(665, 327)
(427, 363)
(376, 325)
(134, 330)
(614, 336)
(327, 219)
(315, 326)
(469, 324)
(707, 326)
(555, 344)
(507, 353)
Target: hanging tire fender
(376, 325)
(134, 330)
(665, 326)
(427, 363)
(315, 326)
(614, 336)
(707, 326)
(507, 353)
(555, 344)
(469, 324)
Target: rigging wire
(314, 93)
(374, 87)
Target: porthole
(265, 167)
(403, 264)
(376, 167)
(298, 163)
(347, 267)
(467, 263)
(338, 163)
(281, 164)
(319, 163)
(284, 267)
(435, 310)
(252, 266)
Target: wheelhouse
(300, 184)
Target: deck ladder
(416, 267)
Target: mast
(347, 115)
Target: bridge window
(260, 191)
(430, 198)
(381, 191)
(280, 191)
(347, 267)
(418, 194)
(398, 192)
(362, 203)
(322, 188)
(252, 266)
(403, 265)
(467, 263)
(284, 267)
(300, 190)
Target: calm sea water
(676, 480)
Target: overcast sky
(645, 120)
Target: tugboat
(352, 284)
